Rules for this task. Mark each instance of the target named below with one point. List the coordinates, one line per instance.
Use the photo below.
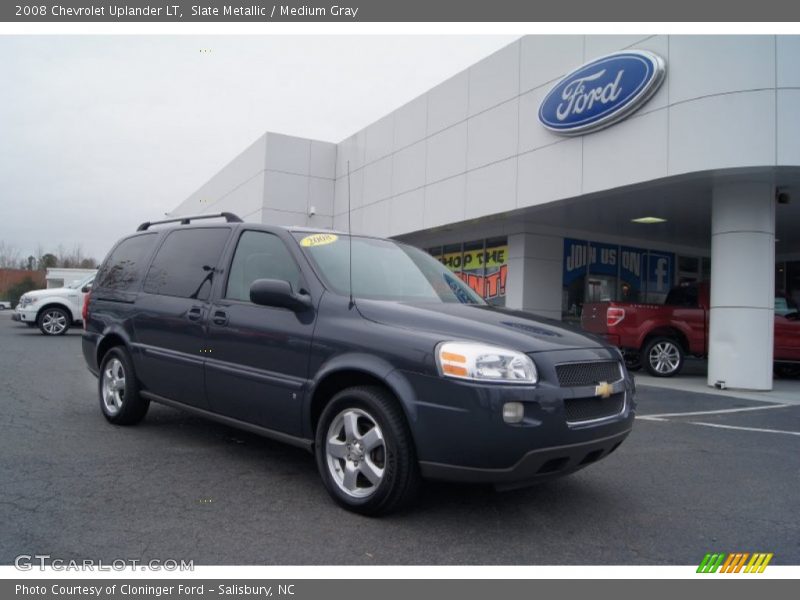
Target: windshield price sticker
(318, 239)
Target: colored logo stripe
(734, 562)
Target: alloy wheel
(54, 322)
(664, 357)
(356, 452)
(113, 386)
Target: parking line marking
(722, 411)
(757, 429)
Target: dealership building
(569, 169)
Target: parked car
(404, 374)
(53, 310)
(4, 305)
(659, 337)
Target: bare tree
(9, 256)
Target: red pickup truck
(659, 336)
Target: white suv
(54, 310)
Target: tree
(9, 256)
(15, 291)
(47, 261)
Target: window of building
(481, 264)
(185, 264)
(601, 272)
(260, 255)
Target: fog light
(513, 412)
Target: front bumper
(460, 434)
(536, 465)
(25, 315)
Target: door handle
(220, 317)
(195, 313)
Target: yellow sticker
(318, 239)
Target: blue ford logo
(602, 92)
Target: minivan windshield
(383, 270)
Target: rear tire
(364, 451)
(54, 321)
(662, 357)
(118, 389)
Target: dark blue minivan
(365, 351)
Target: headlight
(479, 362)
(24, 301)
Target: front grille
(588, 409)
(587, 373)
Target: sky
(101, 133)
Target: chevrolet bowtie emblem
(603, 389)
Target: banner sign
(485, 271)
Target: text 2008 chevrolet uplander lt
(406, 374)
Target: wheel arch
(56, 304)
(668, 331)
(356, 370)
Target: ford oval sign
(602, 92)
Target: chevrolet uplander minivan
(365, 351)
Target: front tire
(364, 451)
(663, 357)
(118, 389)
(54, 321)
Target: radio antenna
(350, 238)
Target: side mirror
(276, 292)
(86, 289)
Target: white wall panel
(447, 153)
(492, 189)
(732, 130)
(406, 212)
(380, 139)
(378, 180)
(288, 154)
(444, 201)
(410, 122)
(447, 103)
(632, 151)
(544, 58)
(492, 135)
(408, 168)
(549, 173)
(703, 65)
(495, 79)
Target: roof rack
(228, 216)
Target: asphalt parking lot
(178, 487)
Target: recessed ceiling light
(648, 220)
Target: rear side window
(260, 255)
(185, 264)
(125, 267)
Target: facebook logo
(659, 272)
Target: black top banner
(398, 11)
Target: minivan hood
(512, 329)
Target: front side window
(185, 264)
(260, 255)
(383, 270)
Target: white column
(534, 274)
(742, 286)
